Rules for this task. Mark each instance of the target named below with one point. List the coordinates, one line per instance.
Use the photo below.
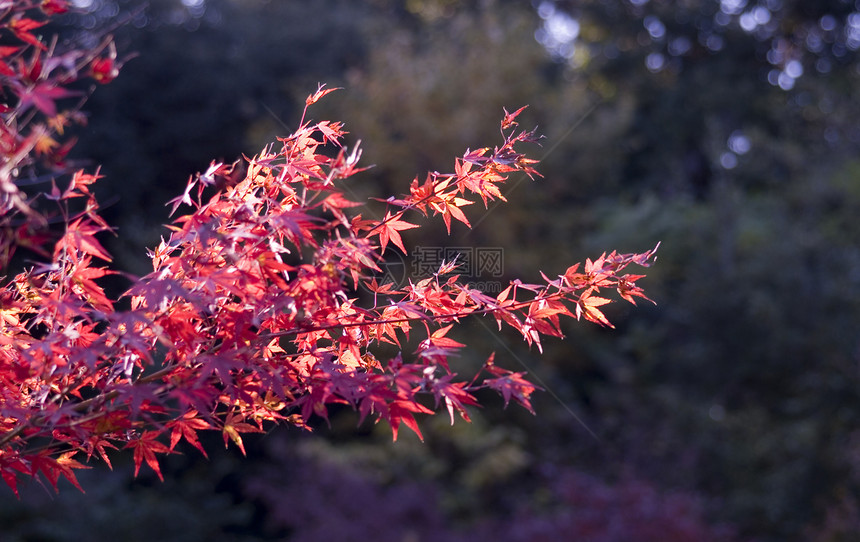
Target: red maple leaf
(54, 7)
(455, 394)
(509, 121)
(234, 426)
(510, 384)
(321, 91)
(80, 234)
(186, 427)
(388, 230)
(21, 27)
(104, 70)
(146, 449)
(587, 306)
(401, 410)
(42, 95)
(12, 464)
(54, 468)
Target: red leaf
(54, 7)
(321, 91)
(587, 306)
(388, 229)
(509, 121)
(83, 277)
(42, 95)
(438, 338)
(80, 183)
(401, 411)
(186, 427)
(437, 346)
(80, 234)
(455, 396)
(510, 384)
(331, 131)
(6, 70)
(8, 50)
(98, 444)
(104, 70)
(10, 465)
(233, 426)
(146, 449)
(21, 26)
(54, 468)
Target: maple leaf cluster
(251, 315)
(39, 100)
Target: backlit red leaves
(36, 113)
(251, 314)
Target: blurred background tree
(727, 129)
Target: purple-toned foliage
(316, 498)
